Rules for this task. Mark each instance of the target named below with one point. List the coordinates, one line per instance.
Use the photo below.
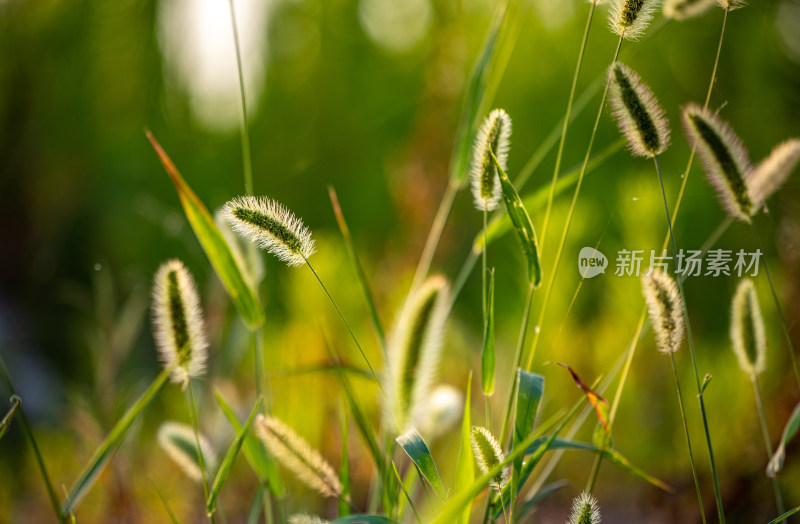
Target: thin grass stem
(247, 163)
(435, 234)
(767, 442)
(200, 458)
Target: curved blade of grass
(325, 367)
(404, 489)
(465, 472)
(530, 388)
(785, 515)
(344, 467)
(416, 449)
(103, 454)
(487, 356)
(364, 519)
(523, 226)
(230, 457)
(172, 517)
(789, 432)
(263, 466)
(12, 411)
(219, 254)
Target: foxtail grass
(585, 510)
(179, 443)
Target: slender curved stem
(247, 163)
(767, 442)
(200, 458)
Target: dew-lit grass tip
(494, 136)
(585, 510)
(488, 454)
(637, 112)
(723, 157)
(666, 310)
(298, 456)
(272, 227)
(629, 18)
(179, 442)
(178, 325)
(748, 335)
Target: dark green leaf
(530, 388)
(414, 446)
(789, 432)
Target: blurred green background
(365, 96)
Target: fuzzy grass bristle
(724, 159)
(639, 116)
(178, 326)
(413, 354)
(666, 310)
(585, 510)
(685, 9)
(488, 454)
(773, 171)
(303, 518)
(178, 441)
(730, 5)
(252, 267)
(629, 18)
(747, 330)
(494, 136)
(297, 455)
(272, 227)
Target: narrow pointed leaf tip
(413, 355)
(685, 9)
(790, 430)
(773, 171)
(637, 112)
(629, 18)
(178, 441)
(298, 456)
(493, 136)
(488, 454)
(417, 450)
(747, 330)
(585, 510)
(272, 227)
(724, 159)
(178, 326)
(666, 310)
(599, 403)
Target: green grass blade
(12, 411)
(530, 388)
(103, 454)
(344, 467)
(265, 469)
(785, 515)
(465, 469)
(172, 517)
(523, 226)
(789, 432)
(230, 457)
(213, 242)
(488, 357)
(416, 449)
(364, 519)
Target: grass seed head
(629, 18)
(272, 227)
(730, 5)
(252, 267)
(747, 330)
(488, 454)
(297, 456)
(493, 136)
(638, 114)
(178, 326)
(178, 440)
(772, 172)
(302, 518)
(666, 310)
(585, 510)
(684, 9)
(724, 159)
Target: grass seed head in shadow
(272, 227)
(494, 135)
(724, 159)
(488, 454)
(178, 325)
(747, 330)
(178, 440)
(629, 18)
(297, 456)
(666, 310)
(414, 352)
(772, 172)
(638, 114)
(684, 9)
(585, 510)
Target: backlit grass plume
(638, 114)
(494, 135)
(302, 518)
(629, 18)
(585, 510)
(178, 440)
(683, 9)
(747, 330)
(413, 354)
(251, 266)
(666, 310)
(724, 159)
(297, 456)
(488, 454)
(272, 227)
(773, 171)
(178, 322)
